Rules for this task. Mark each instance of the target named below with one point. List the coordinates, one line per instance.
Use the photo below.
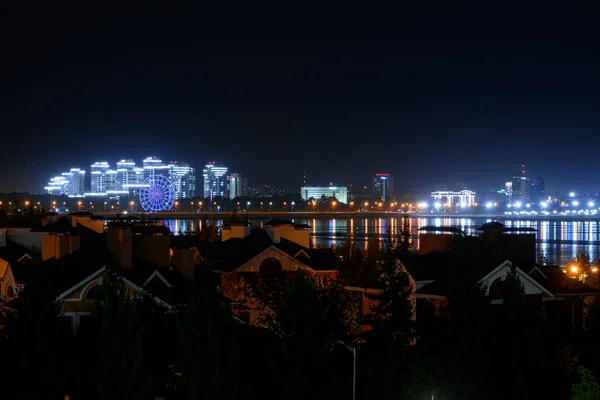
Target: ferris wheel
(157, 194)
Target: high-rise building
(235, 185)
(125, 173)
(537, 190)
(75, 182)
(98, 171)
(527, 189)
(183, 178)
(110, 182)
(383, 186)
(317, 192)
(216, 180)
(57, 186)
(155, 166)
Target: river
(559, 240)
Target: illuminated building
(183, 178)
(216, 180)
(57, 186)
(383, 186)
(154, 166)
(235, 185)
(125, 174)
(98, 171)
(340, 193)
(75, 182)
(464, 198)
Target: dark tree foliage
(206, 365)
(385, 353)
(307, 321)
(33, 341)
(121, 334)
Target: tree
(392, 333)
(585, 269)
(121, 334)
(307, 320)
(587, 388)
(207, 356)
(34, 336)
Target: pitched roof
(553, 277)
(63, 225)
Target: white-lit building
(155, 166)
(383, 186)
(316, 192)
(183, 178)
(57, 186)
(235, 185)
(75, 182)
(464, 198)
(216, 180)
(98, 171)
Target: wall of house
(94, 225)
(3, 237)
(235, 231)
(25, 238)
(183, 260)
(58, 246)
(300, 236)
(152, 248)
(119, 242)
(429, 242)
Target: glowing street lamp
(293, 203)
(248, 206)
(79, 204)
(285, 205)
(176, 205)
(366, 204)
(131, 203)
(314, 204)
(333, 204)
(270, 206)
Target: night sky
(434, 98)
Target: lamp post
(366, 205)
(247, 206)
(270, 206)
(353, 351)
(293, 206)
(176, 206)
(313, 204)
(200, 206)
(285, 206)
(131, 203)
(333, 204)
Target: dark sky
(434, 97)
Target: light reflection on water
(560, 241)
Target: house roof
(495, 225)
(553, 277)
(448, 229)
(279, 222)
(63, 225)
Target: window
(92, 294)
(270, 267)
(10, 292)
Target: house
(246, 261)
(78, 275)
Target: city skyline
(350, 94)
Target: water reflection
(560, 241)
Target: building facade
(340, 193)
(75, 182)
(216, 180)
(183, 178)
(236, 185)
(97, 181)
(383, 186)
(464, 198)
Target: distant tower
(304, 178)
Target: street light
(131, 203)
(293, 203)
(270, 205)
(333, 204)
(314, 204)
(248, 206)
(353, 351)
(366, 204)
(176, 205)
(285, 205)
